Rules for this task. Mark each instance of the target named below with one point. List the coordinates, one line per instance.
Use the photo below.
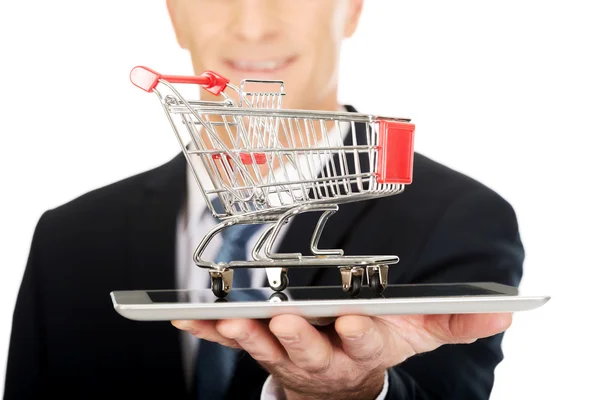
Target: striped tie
(215, 363)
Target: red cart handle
(147, 79)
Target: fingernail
(289, 339)
(355, 336)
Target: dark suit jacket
(68, 342)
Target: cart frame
(267, 165)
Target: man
(68, 341)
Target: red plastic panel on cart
(246, 158)
(261, 158)
(396, 152)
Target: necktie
(215, 363)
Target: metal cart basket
(266, 164)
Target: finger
(254, 337)
(466, 328)
(204, 329)
(469, 327)
(306, 347)
(362, 340)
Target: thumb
(465, 328)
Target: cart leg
(377, 276)
(352, 278)
(261, 243)
(278, 278)
(221, 281)
(270, 239)
(207, 238)
(328, 211)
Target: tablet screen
(322, 293)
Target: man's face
(297, 41)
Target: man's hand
(347, 359)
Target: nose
(254, 20)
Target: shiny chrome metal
(329, 210)
(274, 275)
(380, 269)
(227, 277)
(256, 250)
(206, 239)
(271, 239)
(267, 165)
(316, 261)
(348, 273)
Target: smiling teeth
(258, 65)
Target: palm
(422, 333)
(407, 335)
(414, 334)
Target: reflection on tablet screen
(318, 293)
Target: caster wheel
(355, 285)
(285, 281)
(375, 283)
(217, 287)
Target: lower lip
(272, 71)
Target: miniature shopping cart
(266, 164)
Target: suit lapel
(152, 235)
(153, 226)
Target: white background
(507, 92)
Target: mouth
(264, 66)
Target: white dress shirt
(192, 224)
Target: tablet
(322, 301)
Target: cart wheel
(217, 287)
(375, 283)
(285, 281)
(355, 285)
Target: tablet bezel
(137, 305)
